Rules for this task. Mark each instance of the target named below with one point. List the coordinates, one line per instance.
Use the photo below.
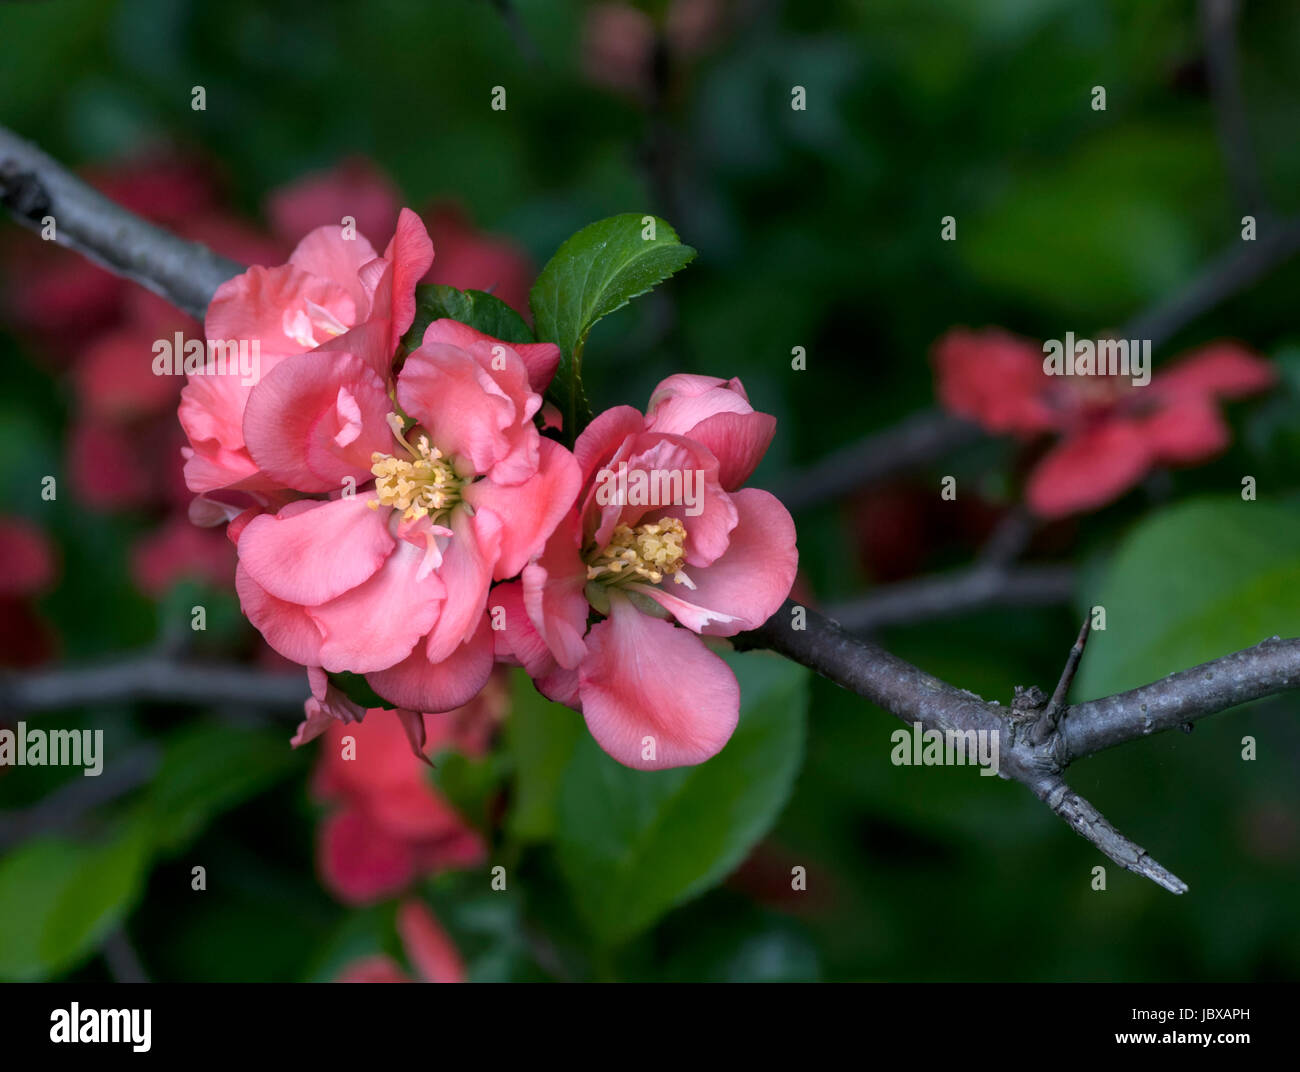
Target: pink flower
(428, 948)
(464, 492)
(1110, 432)
(332, 284)
(711, 561)
(390, 825)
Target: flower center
(648, 552)
(424, 486)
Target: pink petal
(285, 626)
(646, 678)
(994, 378)
(1089, 470)
(410, 252)
(396, 606)
(313, 421)
(517, 642)
(465, 410)
(747, 585)
(466, 571)
(428, 948)
(424, 686)
(1219, 370)
(314, 555)
(326, 253)
(541, 359)
(553, 594)
(531, 509)
(738, 440)
(272, 305)
(360, 862)
(601, 439)
(1187, 430)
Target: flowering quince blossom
(1110, 432)
(653, 695)
(399, 499)
(392, 582)
(332, 284)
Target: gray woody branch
(32, 187)
(1038, 743)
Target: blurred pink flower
(1110, 432)
(390, 825)
(428, 949)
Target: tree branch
(33, 187)
(1219, 30)
(948, 595)
(913, 443)
(1034, 747)
(150, 678)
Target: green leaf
(59, 898)
(207, 769)
(1192, 583)
(541, 737)
(480, 310)
(357, 689)
(633, 844)
(596, 271)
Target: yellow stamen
(649, 552)
(425, 486)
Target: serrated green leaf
(633, 844)
(1190, 584)
(480, 310)
(595, 272)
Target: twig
(1052, 714)
(150, 677)
(949, 595)
(1219, 29)
(911, 444)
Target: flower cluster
(401, 516)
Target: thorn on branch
(1056, 705)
